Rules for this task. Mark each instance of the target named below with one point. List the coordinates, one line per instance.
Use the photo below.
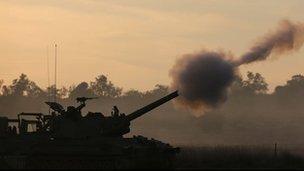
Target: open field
(245, 157)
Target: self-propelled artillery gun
(66, 139)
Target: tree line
(100, 87)
(251, 113)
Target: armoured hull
(97, 153)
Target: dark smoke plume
(203, 78)
(287, 38)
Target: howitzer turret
(96, 124)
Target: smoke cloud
(203, 78)
(288, 37)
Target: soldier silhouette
(115, 111)
(14, 130)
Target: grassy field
(256, 157)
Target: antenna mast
(55, 93)
(48, 74)
(48, 66)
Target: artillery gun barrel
(151, 106)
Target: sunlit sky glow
(135, 42)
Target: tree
(23, 87)
(133, 93)
(293, 87)
(103, 87)
(6, 90)
(255, 83)
(297, 81)
(81, 90)
(60, 93)
(158, 91)
(33, 90)
(19, 86)
(1, 84)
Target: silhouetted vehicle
(66, 139)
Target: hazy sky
(135, 42)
